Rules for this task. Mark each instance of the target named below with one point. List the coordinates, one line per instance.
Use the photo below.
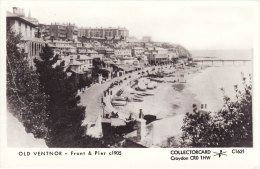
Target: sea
(205, 88)
(207, 85)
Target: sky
(196, 25)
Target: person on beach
(130, 117)
(112, 114)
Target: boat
(151, 85)
(119, 92)
(144, 94)
(120, 98)
(138, 96)
(118, 103)
(137, 100)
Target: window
(25, 30)
(20, 31)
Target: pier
(212, 61)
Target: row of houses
(72, 32)
(153, 55)
(80, 56)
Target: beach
(170, 101)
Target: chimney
(18, 11)
(141, 129)
(15, 10)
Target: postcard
(130, 84)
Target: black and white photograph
(129, 74)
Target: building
(137, 51)
(26, 27)
(86, 61)
(123, 52)
(44, 31)
(157, 55)
(104, 51)
(76, 66)
(76, 44)
(127, 61)
(62, 31)
(57, 31)
(72, 32)
(82, 50)
(104, 33)
(62, 47)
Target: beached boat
(138, 96)
(138, 100)
(120, 98)
(119, 92)
(151, 85)
(145, 94)
(118, 103)
(141, 87)
(156, 80)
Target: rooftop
(10, 15)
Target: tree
(24, 97)
(66, 116)
(229, 127)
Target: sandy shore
(167, 99)
(169, 102)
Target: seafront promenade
(91, 98)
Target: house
(30, 45)
(75, 66)
(76, 44)
(86, 61)
(128, 61)
(137, 51)
(157, 55)
(104, 51)
(81, 50)
(62, 47)
(122, 52)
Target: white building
(62, 47)
(122, 52)
(157, 55)
(26, 27)
(137, 51)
